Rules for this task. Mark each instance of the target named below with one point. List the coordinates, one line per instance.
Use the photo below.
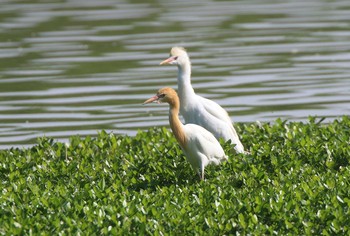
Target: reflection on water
(76, 67)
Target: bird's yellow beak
(152, 99)
(168, 61)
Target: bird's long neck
(185, 89)
(175, 123)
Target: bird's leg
(202, 171)
(199, 174)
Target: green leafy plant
(296, 180)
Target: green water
(76, 67)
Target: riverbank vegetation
(295, 180)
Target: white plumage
(196, 109)
(201, 148)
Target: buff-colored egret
(199, 145)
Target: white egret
(199, 110)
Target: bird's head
(166, 94)
(178, 56)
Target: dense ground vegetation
(296, 180)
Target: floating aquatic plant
(295, 180)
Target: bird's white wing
(222, 120)
(215, 109)
(201, 140)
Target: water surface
(76, 67)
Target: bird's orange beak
(168, 61)
(152, 99)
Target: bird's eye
(175, 58)
(161, 95)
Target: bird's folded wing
(215, 109)
(204, 142)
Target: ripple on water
(80, 66)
